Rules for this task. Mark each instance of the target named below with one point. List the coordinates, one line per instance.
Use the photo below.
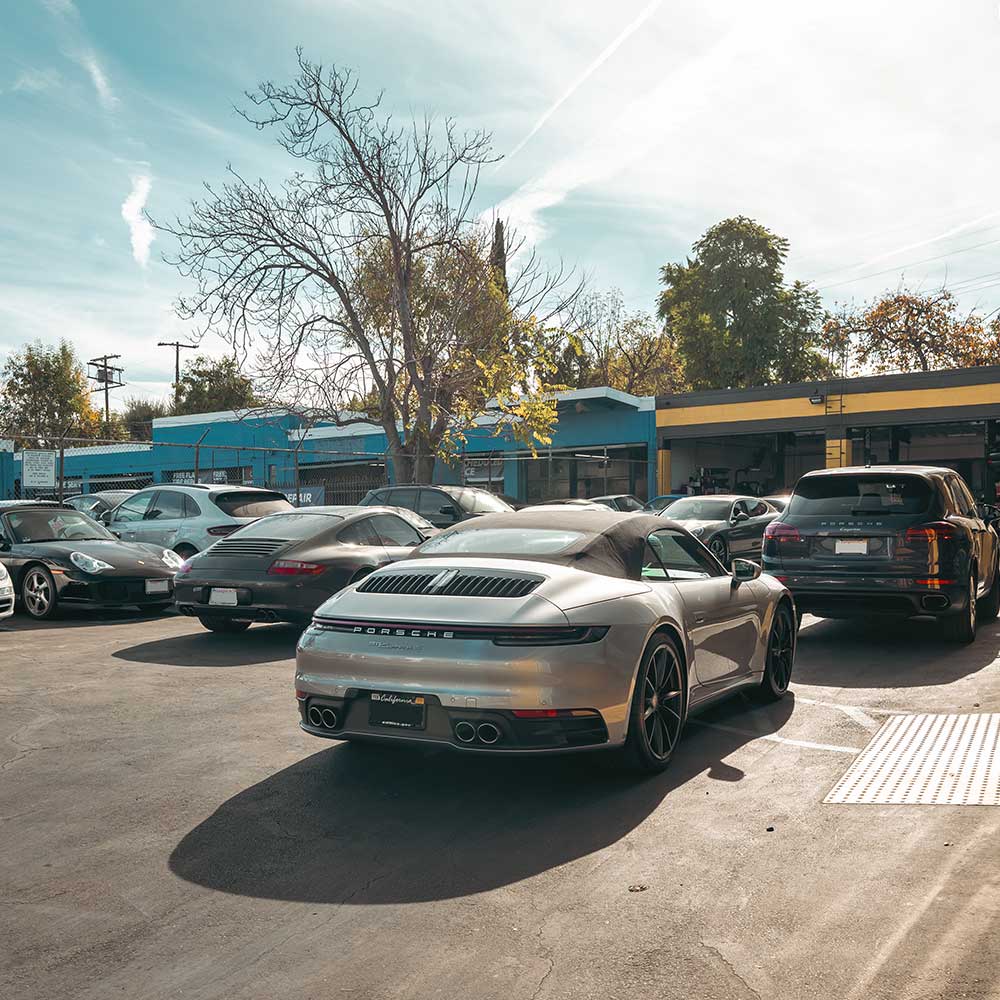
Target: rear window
(502, 541)
(288, 526)
(250, 504)
(860, 496)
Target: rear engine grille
(259, 547)
(450, 583)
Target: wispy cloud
(100, 81)
(140, 230)
(590, 69)
(32, 81)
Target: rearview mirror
(744, 570)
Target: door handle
(699, 619)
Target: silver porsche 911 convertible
(534, 632)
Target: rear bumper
(839, 597)
(459, 729)
(111, 592)
(258, 599)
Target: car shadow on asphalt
(260, 644)
(873, 653)
(82, 618)
(367, 824)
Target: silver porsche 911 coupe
(534, 632)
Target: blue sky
(867, 133)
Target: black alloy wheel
(961, 626)
(659, 707)
(780, 656)
(38, 593)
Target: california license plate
(225, 596)
(157, 586)
(851, 546)
(397, 711)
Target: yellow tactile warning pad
(927, 760)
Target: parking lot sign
(38, 470)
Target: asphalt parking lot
(169, 832)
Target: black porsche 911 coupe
(58, 557)
(284, 566)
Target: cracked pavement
(168, 831)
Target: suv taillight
(778, 532)
(223, 529)
(936, 531)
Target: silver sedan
(535, 632)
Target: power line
(912, 263)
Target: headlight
(697, 532)
(172, 559)
(88, 563)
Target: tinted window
(251, 504)
(503, 541)
(167, 505)
(399, 498)
(629, 504)
(700, 509)
(359, 533)
(133, 508)
(86, 504)
(191, 509)
(432, 503)
(859, 496)
(683, 558)
(288, 526)
(53, 525)
(395, 531)
(963, 498)
(375, 497)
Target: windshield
(287, 526)
(700, 509)
(54, 526)
(502, 541)
(840, 496)
(629, 503)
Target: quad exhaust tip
(322, 718)
(488, 733)
(465, 732)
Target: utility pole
(177, 346)
(107, 377)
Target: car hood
(127, 558)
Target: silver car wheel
(37, 593)
(662, 702)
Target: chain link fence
(38, 468)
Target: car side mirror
(745, 570)
(448, 511)
(4, 545)
(740, 515)
(986, 511)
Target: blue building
(603, 442)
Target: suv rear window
(860, 496)
(251, 504)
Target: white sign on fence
(38, 470)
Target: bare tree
(360, 289)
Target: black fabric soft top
(611, 543)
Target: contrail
(635, 23)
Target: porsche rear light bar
(554, 713)
(499, 635)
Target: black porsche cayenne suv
(889, 540)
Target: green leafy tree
(208, 385)
(733, 320)
(44, 395)
(136, 420)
